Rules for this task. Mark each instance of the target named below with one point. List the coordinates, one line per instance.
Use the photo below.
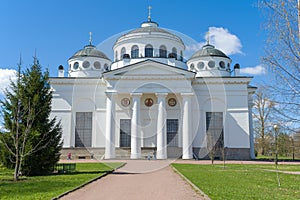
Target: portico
(149, 102)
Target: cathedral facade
(149, 99)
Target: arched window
(123, 51)
(134, 51)
(162, 51)
(174, 52)
(116, 56)
(148, 50)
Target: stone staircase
(121, 153)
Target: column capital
(187, 94)
(161, 94)
(136, 94)
(111, 94)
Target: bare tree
(262, 109)
(282, 56)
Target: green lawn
(243, 181)
(48, 187)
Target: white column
(251, 135)
(110, 127)
(161, 127)
(135, 127)
(187, 148)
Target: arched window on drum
(149, 50)
(162, 51)
(134, 51)
(123, 51)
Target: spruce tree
(32, 139)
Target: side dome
(209, 61)
(89, 51)
(88, 62)
(208, 50)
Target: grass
(243, 181)
(48, 187)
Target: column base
(162, 157)
(135, 156)
(109, 157)
(187, 157)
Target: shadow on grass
(81, 172)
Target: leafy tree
(32, 139)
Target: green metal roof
(209, 50)
(89, 51)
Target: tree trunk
(17, 166)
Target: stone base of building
(172, 152)
(229, 154)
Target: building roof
(208, 50)
(148, 28)
(89, 51)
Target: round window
(222, 64)
(148, 102)
(211, 64)
(86, 64)
(97, 65)
(76, 65)
(172, 102)
(125, 102)
(201, 65)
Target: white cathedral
(149, 100)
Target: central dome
(148, 28)
(148, 42)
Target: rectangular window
(214, 131)
(125, 132)
(83, 129)
(172, 132)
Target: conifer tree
(32, 139)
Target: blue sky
(57, 29)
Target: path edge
(192, 184)
(88, 182)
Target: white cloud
(5, 76)
(222, 39)
(257, 70)
(225, 41)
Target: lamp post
(276, 129)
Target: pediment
(149, 68)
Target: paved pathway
(138, 179)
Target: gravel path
(138, 180)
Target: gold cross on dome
(90, 38)
(207, 37)
(149, 13)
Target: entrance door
(125, 132)
(172, 132)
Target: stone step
(120, 153)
